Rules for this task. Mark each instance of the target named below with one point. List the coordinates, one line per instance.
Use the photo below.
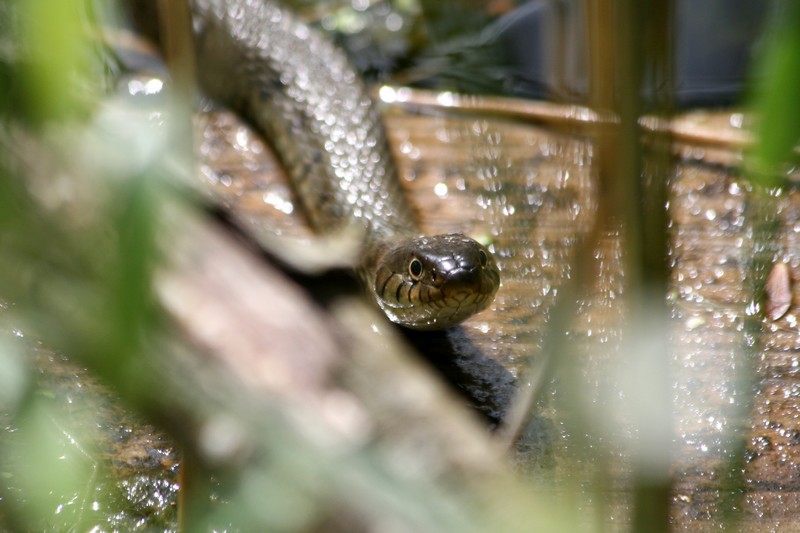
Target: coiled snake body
(304, 95)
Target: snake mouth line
(439, 312)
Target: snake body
(301, 91)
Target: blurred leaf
(13, 377)
(56, 58)
(128, 300)
(776, 99)
(49, 471)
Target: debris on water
(778, 289)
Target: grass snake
(303, 94)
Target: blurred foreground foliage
(81, 209)
(86, 219)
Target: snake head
(434, 282)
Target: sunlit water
(530, 194)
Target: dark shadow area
(487, 387)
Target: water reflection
(532, 191)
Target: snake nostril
(483, 258)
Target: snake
(303, 94)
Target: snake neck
(302, 92)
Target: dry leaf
(778, 291)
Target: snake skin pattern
(306, 97)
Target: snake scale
(303, 94)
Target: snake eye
(483, 258)
(415, 269)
